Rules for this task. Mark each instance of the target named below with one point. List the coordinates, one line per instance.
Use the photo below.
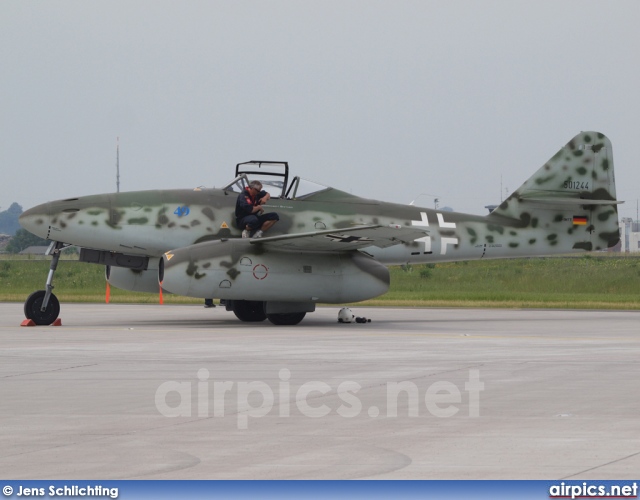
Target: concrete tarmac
(184, 392)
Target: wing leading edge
(342, 240)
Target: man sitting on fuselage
(250, 216)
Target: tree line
(20, 238)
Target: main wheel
(33, 304)
(249, 310)
(286, 318)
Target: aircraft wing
(340, 240)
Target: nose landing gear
(42, 306)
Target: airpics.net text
(256, 399)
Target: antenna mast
(117, 164)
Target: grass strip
(605, 281)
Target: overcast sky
(394, 100)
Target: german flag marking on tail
(579, 220)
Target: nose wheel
(33, 308)
(42, 307)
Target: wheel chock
(30, 322)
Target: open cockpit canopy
(274, 176)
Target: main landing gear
(254, 311)
(249, 310)
(42, 306)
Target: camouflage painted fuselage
(569, 205)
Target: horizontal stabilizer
(572, 201)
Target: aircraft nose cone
(36, 220)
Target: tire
(32, 308)
(286, 318)
(249, 310)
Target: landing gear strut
(43, 307)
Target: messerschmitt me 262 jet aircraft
(329, 246)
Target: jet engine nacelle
(133, 279)
(239, 270)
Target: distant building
(34, 251)
(4, 241)
(629, 235)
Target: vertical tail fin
(572, 196)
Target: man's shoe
(258, 234)
(246, 233)
(207, 306)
